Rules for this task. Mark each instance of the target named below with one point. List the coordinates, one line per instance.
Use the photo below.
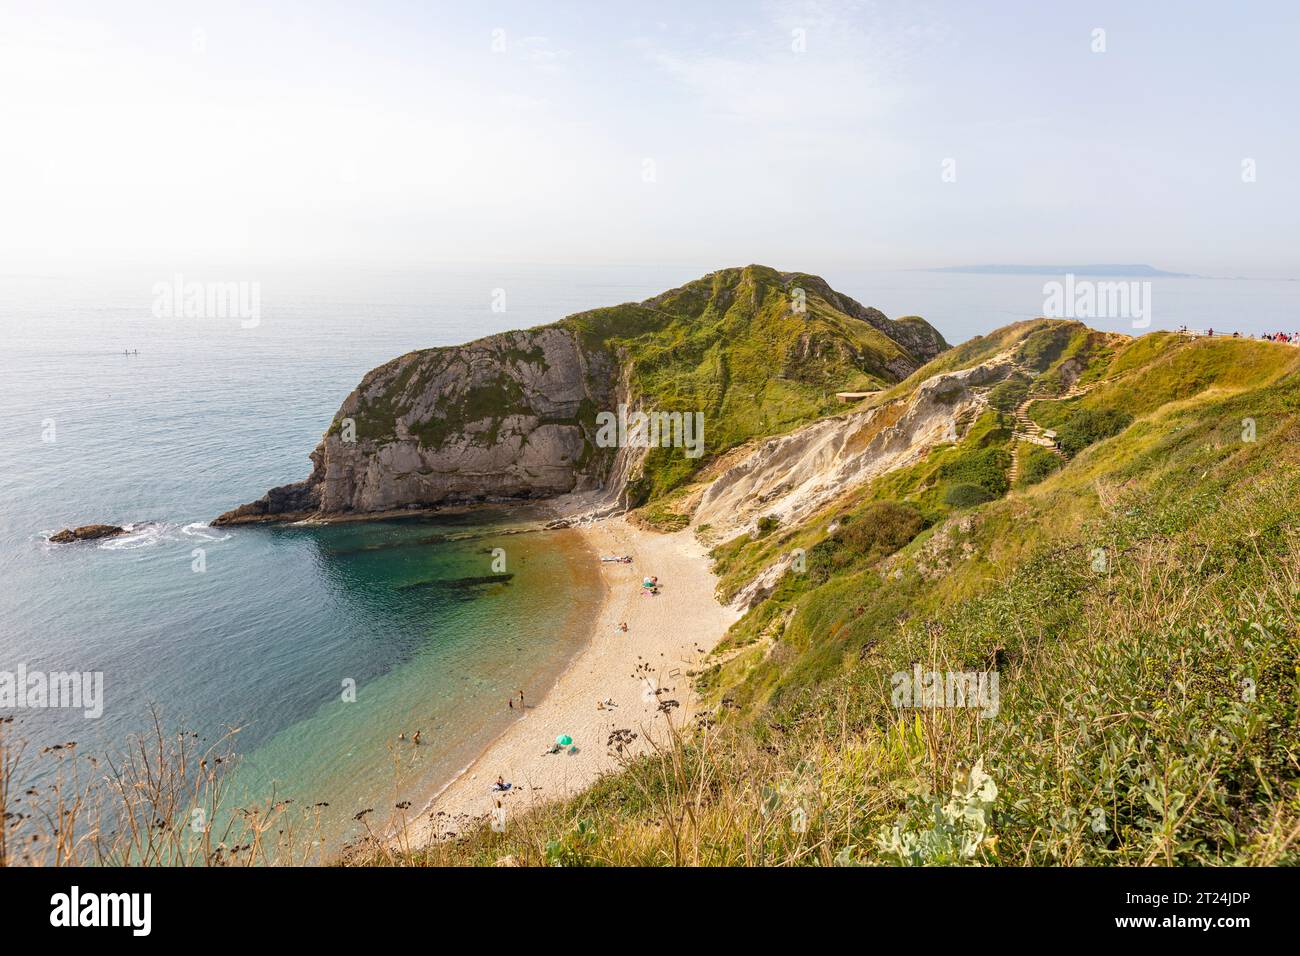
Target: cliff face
(792, 476)
(509, 416)
(515, 415)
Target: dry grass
(162, 801)
(1148, 716)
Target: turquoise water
(209, 414)
(439, 641)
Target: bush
(767, 524)
(882, 528)
(1037, 464)
(951, 832)
(825, 558)
(1088, 425)
(986, 468)
(966, 496)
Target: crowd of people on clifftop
(1287, 338)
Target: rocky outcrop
(88, 532)
(508, 416)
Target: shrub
(966, 495)
(767, 524)
(986, 468)
(1088, 425)
(950, 832)
(824, 559)
(1037, 464)
(573, 848)
(883, 528)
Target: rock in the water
(87, 532)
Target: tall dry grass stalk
(163, 801)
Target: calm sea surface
(209, 414)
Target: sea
(314, 653)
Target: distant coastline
(1140, 270)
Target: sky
(798, 134)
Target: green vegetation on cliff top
(757, 351)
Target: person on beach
(415, 738)
(521, 700)
(510, 702)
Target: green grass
(1083, 426)
(1181, 437)
(985, 468)
(1139, 604)
(1146, 715)
(1036, 463)
(1006, 395)
(733, 348)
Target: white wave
(145, 534)
(140, 535)
(200, 529)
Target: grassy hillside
(1137, 603)
(1153, 438)
(757, 351)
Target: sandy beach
(667, 635)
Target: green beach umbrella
(564, 740)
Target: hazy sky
(408, 132)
